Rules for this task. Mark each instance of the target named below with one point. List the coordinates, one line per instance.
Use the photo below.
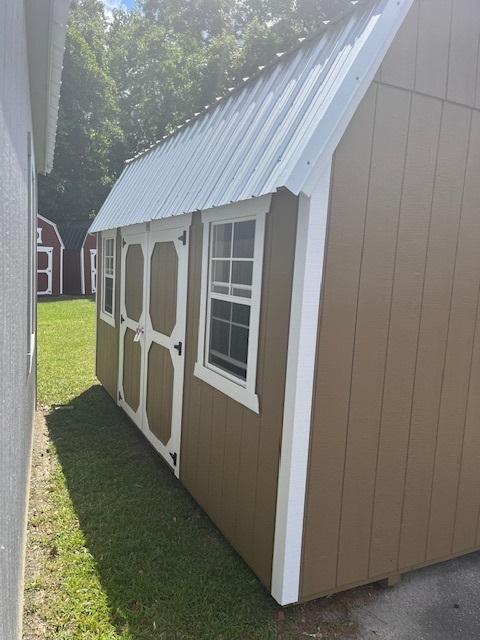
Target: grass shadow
(166, 570)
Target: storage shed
(79, 260)
(288, 301)
(50, 249)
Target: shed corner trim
(305, 304)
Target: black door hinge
(178, 347)
(120, 396)
(122, 319)
(183, 237)
(124, 242)
(174, 458)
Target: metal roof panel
(267, 134)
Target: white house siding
(16, 384)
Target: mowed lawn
(117, 548)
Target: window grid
(108, 289)
(236, 294)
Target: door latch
(178, 347)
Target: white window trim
(106, 317)
(242, 392)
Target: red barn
(80, 260)
(49, 258)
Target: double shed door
(154, 270)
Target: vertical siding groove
(461, 465)
(420, 316)
(355, 330)
(442, 387)
(449, 54)
(395, 267)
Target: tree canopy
(135, 76)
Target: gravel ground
(441, 602)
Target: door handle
(138, 334)
(178, 347)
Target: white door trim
(178, 232)
(93, 270)
(48, 270)
(307, 283)
(131, 236)
(82, 271)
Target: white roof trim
(55, 228)
(46, 31)
(367, 56)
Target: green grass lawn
(127, 554)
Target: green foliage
(130, 80)
(88, 130)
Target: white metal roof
(270, 133)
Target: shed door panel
(165, 338)
(132, 363)
(132, 338)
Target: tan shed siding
(108, 336)
(437, 52)
(230, 455)
(394, 477)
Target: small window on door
(231, 288)
(107, 310)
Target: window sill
(227, 387)
(108, 319)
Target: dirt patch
(39, 532)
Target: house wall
(17, 384)
(230, 455)
(108, 336)
(50, 239)
(393, 474)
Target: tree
(129, 81)
(89, 139)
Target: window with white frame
(107, 309)
(231, 289)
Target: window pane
(239, 370)
(221, 270)
(241, 293)
(241, 314)
(224, 289)
(222, 309)
(222, 240)
(239, 343)
(220, 336)
(242, 272)
(243, 239)
(108, 296)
